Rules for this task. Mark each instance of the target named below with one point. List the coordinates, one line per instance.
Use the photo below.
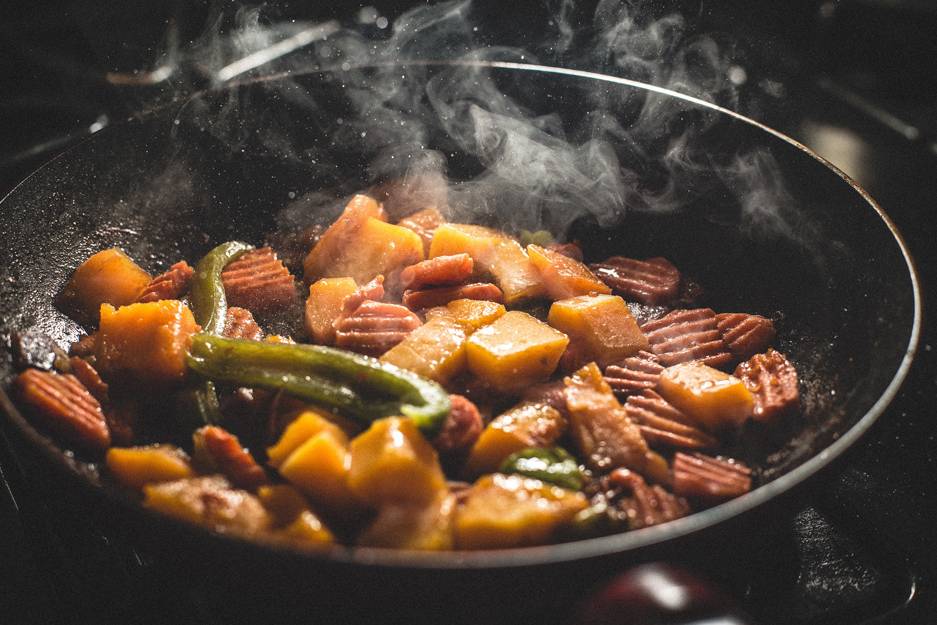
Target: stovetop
(861, 550)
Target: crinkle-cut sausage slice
(89, 378)
(461, 428)
(375, 327)
(570, 250)
(772, 379)
(651, 281)
(683, 335)
(645, 505)
(430, 298)
(227, 455)
(712, 479)
(745, 334)
(172, 284)
(65, 407)
(662, 423)
(239, 324)
(634, 374)
(438, 271)
(259, 281)
(372, 291)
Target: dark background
(853, 80)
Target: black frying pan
(834, 274)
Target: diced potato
(108, 277)
(308, 530)
(435, 350)
(564, 277)
(600, 325)
(515, 351)
(502, 511)
(340, 235)
(426, 527)
(391, 463)
(424, 223)
(526, 425)
(136, 466)
(474, 314)
(494, 253)
(715, 399)
(324, 305)
(146, 342)
(301, 429)
(320, 469)
(376, 247)
(292, 517)
(209, 501)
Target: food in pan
(446, 387)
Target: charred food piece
(375, 327)
(172, 284)
(634, 374)
(259, 281)
(710, 479)
(772, 379)
(640, 504)
(439, 271)
(461, 428)
(430, 298)
(651, 281)
(221, 450)
(239, 324)
(745, 335)
(683, 335)
(65, 407)
(32, 348)
(663, 424)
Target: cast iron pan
(242, 161)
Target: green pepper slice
(549, 464)
(207, 296)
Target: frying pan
(174, 182)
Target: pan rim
(563, 552)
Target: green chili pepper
(551, 464)
(359, 386)
(209, 304)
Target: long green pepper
(207, 296)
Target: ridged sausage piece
(634, 374)
(461, 428)
(89, 378)
(439, 271)
(172, 284)
(259, 281)
(646, 505)
(745, 334)
(651, 281)
(684, 335)
(375, 327)
(373, 290)
(65, 407)
(711, 479)
(239, 323)
(772, 379)
(663, 424)
(230, 458)
(430, 298)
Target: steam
(627, 150)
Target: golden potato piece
(136, 466)
(209, 501)
(334, 242)
(515, 351)
(108, 277)
(715, 399)
(502, 511)
(600, 325)
(319, 468)
(424, 527)
(292, 518)
(526, 425)
(564, 277)
(473, 313)
(302, 428)
(435, 350)
(324, 305)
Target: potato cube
(474, 314)
(302, 428)
(292, 518)
(435, 350)
(108, 277)
(146, 342)
(324, 305)
(339, 237)
(425, 527)
(493, 252)
(526, 425)
(320, 469)
(502, 511)
(136, 466)
(392, 463)
(600, 325)
(515, 351)
(564, 277)
(713, 398)
(210, 501)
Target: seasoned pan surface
(827, 263)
